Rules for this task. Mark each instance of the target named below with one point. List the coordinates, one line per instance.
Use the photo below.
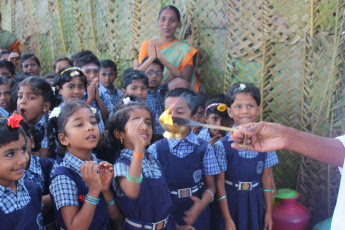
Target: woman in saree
(175, 54)
(9, 41)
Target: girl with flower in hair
(244, 187)
(20, 206)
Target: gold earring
(121, 141)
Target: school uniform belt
(187, 192)
(241, 185)
(154, 226)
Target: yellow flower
(221, 108)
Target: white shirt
(338, 221)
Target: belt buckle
(246, 186)
(159, 225)
(185, 192)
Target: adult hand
(152, 50)
(13, 57)
(158, 54)
(260, 137)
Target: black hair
(178, 77)
(80, 54)
(21, 77)
(188, 95)
(31, 133)
(5, 52)
(120, 118)
(70, 63)
(202, 99)
(49, 75)
(29, 56)
(8, 134)
(173, 8)
(154, 62)
(217, 99)
(243, 87)
(56, 125)
(66, 74)
(129, 76)
(4, 80)
(87, 59)
(9, 66)
(108, 64)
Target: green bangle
(267, 190)
(221, 198)
(137, 180)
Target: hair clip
(126, 100)
(70, 68)
(55, 113)
(74, 73)
(14, 120)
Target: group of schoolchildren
(78, 153)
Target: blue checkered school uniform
(67, 189)
(4, 113)
(156, 103)
(41, 132)
(154, 204)
(109, 99)
(184, 162)
(243, 170)
(21, 210)
(39, 171)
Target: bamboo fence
(291, 49)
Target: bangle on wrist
(209, 191)
(91, 200)
(110, 202)
(137, 180)
(221, 198)
(267, 190)
(138, 155)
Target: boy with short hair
(7, 69)
(108, 93)
(189, 165)
(178, 82)
(155, 98)
(90, 65)
(30, 64)
(135, 82)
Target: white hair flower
(94, 111)
(126, 100)
(242, 86)
(55, 113)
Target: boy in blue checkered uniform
(109, 94)
(155, 94)
(241, 200)
(189, 165)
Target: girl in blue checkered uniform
(244, 187)
(20, 201)
(140, 186)
(80, 185)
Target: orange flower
(14, 120)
